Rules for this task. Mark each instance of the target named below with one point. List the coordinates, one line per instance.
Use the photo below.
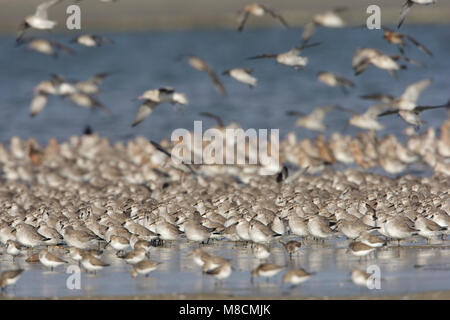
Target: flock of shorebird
(78, 200)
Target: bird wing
(275, 15)
(98, 104)
(294, 113)
(413, 91)
(213, 116)
(424, 108)
(386, 113)
(242, 20)
(216, 81)
(160, 148)
(417, 63)
(419, 45)
(319, 113)
(378, 97)
(144, 111)
(406, 7)
(38, 104)
(308, 31)
(263, 56)
(376, 110)
(41, 10)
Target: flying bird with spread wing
(290, 58)
(39, 20)
(199, 64)
(257, 10)
(398, 39)
(328, 19)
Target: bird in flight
(201, 65)
(152, 98)
(314, 120)
(328, 19)
(290, 58)
(39, 20)
(407, 6)
(257, 10)
(334, 80)
(412, 116)
(91, 40)
(242, 75)
(45, 46)
(398, 39)
(368, 119)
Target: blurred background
(149, 36)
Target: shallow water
(148, 60)
(413, 268)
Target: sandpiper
(290, 58)
(199, 64)
(13, 248)
(119, 243)
(78, 238)
(261, 251)
(334, 80)
(368, 120)
(242, 75)
(91, 40)
(398, 39)
(221, 272)
(328, 19)
(371, 240)
(314, 120)
(296, 276)
(144, 111)
(260, 233)
(91, 263)
(39, 20)
(27, 236)
(291, 246)
(144, 267)
(257, 10)
(199, 256)
(164, 94)
(360, 249)
(135, 256)
(266, 270)
(9, 277)
(428, 228)
(45, 46)
(194, 231)
(50, 260)
(319, 227)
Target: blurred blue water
(148, 60)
